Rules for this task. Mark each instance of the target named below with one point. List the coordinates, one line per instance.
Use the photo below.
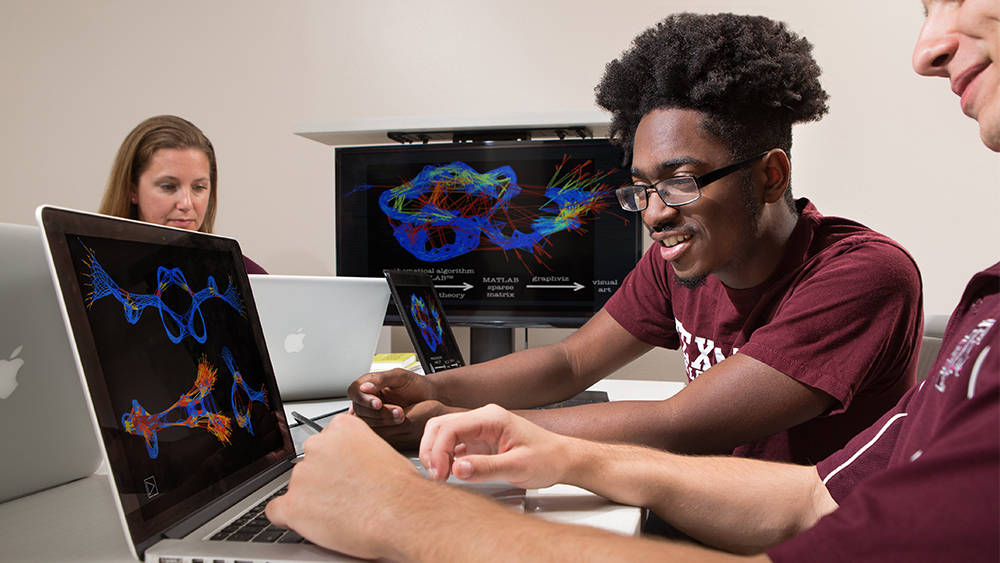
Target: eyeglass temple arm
(714, 175)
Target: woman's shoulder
(253, 267)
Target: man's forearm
(737, 504)
(650, 423)
(447, 524)
(529, 378)
(545, 374)
(733, 403)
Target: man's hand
(490, 443)
(343, 493)
(380, 398)
(406, 435)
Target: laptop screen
(168, 336)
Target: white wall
(77, 76)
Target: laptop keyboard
(253, 526)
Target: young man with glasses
(921, 484)
(797, 330)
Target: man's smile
(674, 240)
(672, 244)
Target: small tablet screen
(424, 319)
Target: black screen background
(446, 355)
(598, 256)
(140, 362)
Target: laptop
(321, 332)
(423, 316)
(169, 344)
(47, 439)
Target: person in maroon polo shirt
(921, 484)
(797, 330)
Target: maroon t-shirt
(841, 313)
(923, 483)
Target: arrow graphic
(575, 287)
(464, 287)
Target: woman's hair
(153, 134)
(749, 75)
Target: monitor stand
(487, 343)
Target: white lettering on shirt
(699, 353)
(960, 355)
(705, 346)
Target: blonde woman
(165, 173)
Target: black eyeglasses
(678, 191)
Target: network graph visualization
(428, 320)
(176, 325)
(449, 210)
(241, 396)
(194, 409)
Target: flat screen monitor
(521, 234)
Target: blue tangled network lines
(456, 199)
(428, 321)
(190, 322)
(241, 406)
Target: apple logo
(8, 373)
(295, 342)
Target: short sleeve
(868, 453)
(854, 316)
(642, 304)
(939, 505)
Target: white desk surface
(617, 389)
(78, 521)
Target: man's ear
(777, 173)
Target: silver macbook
(46, 439)
(321, 332)
(169, 344)
(170, 349)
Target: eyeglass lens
(675, 191)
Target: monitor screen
(512, 234)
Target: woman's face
(174, 189)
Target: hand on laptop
(380, 398)
(344, 501)
(493, 444)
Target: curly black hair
(749, 75)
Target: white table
(559, 503)
(617, 390)
(78, 521)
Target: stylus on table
(307, 421)
(310, 422)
